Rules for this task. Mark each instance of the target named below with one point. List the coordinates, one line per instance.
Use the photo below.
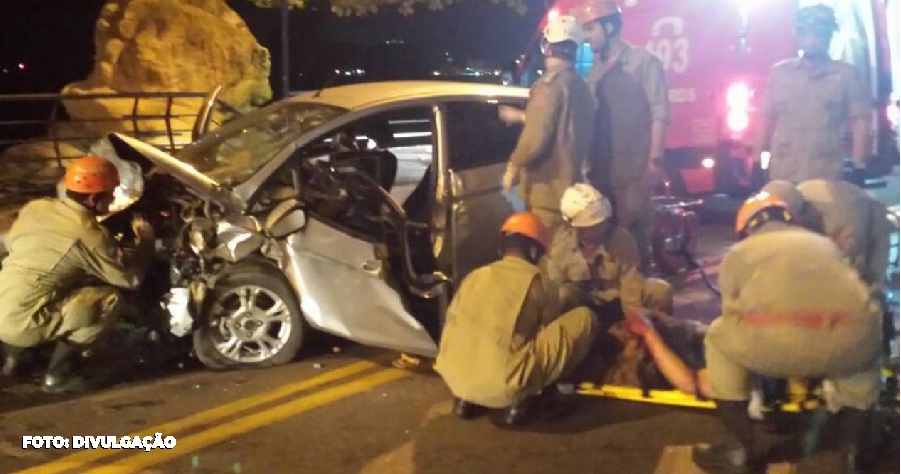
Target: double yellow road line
(81, 462)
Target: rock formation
(157, 46)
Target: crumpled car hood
(198, 183)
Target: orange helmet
(91, 175)
(527, 224)
(594, 10)
(759, 209)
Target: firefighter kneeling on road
(61, 281)
(792, 307)
(506, 340)
(595, 262)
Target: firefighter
(792, 307)
(807, 105)
(594, 261)
(629, 85)
(853, 219)
(506, 339)
(62, 280)
(554, 144)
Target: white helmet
(584, 206)
(563, 28)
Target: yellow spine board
(677, 398)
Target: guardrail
(164, 119)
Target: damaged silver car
(350, 210)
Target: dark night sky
(54, 38)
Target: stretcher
(797, 402)
(800, 397)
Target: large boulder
(169, 46)
(150, 46)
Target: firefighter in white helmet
(595, 261)
(554, 143)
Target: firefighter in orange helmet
(629, 86)
(505, 340)
(792, 307)
(61, 281)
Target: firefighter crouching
(853, 219)
(554, 144)
(792, 307)
(506, 339)
(61, 281)
(595, 262)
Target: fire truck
(717, 55)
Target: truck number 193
(670, 44)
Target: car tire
(270, 286)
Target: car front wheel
(251, 320)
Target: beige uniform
(554, 144)
(505, 338)
(854, 220)
(612, 274)
(809, 111)
(631, 93)
(792, 307)
(61, 278)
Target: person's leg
(857, 394)
(11, 357)
(551, 218)
(730, 381)
(558, 351)
(88, 315)
(634, 212)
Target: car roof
(356, 96)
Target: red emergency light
(738, 102)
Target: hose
(694, 265)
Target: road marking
(677, 460)
(80, 459)
(191, 444)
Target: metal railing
(164, 119)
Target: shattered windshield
(234, 156)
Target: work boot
(735, 455)
(11, 357)
(854, 426)
(520, 412)
(465, 410)
(61, 376)
(558, 401)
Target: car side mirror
(287, 218)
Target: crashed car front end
(246, 279)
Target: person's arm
(767, 122)
(859, 111)
(552, 308)
(511, 115)
(673, 368)
(104, 259)
(541, 118)
(658, 96)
